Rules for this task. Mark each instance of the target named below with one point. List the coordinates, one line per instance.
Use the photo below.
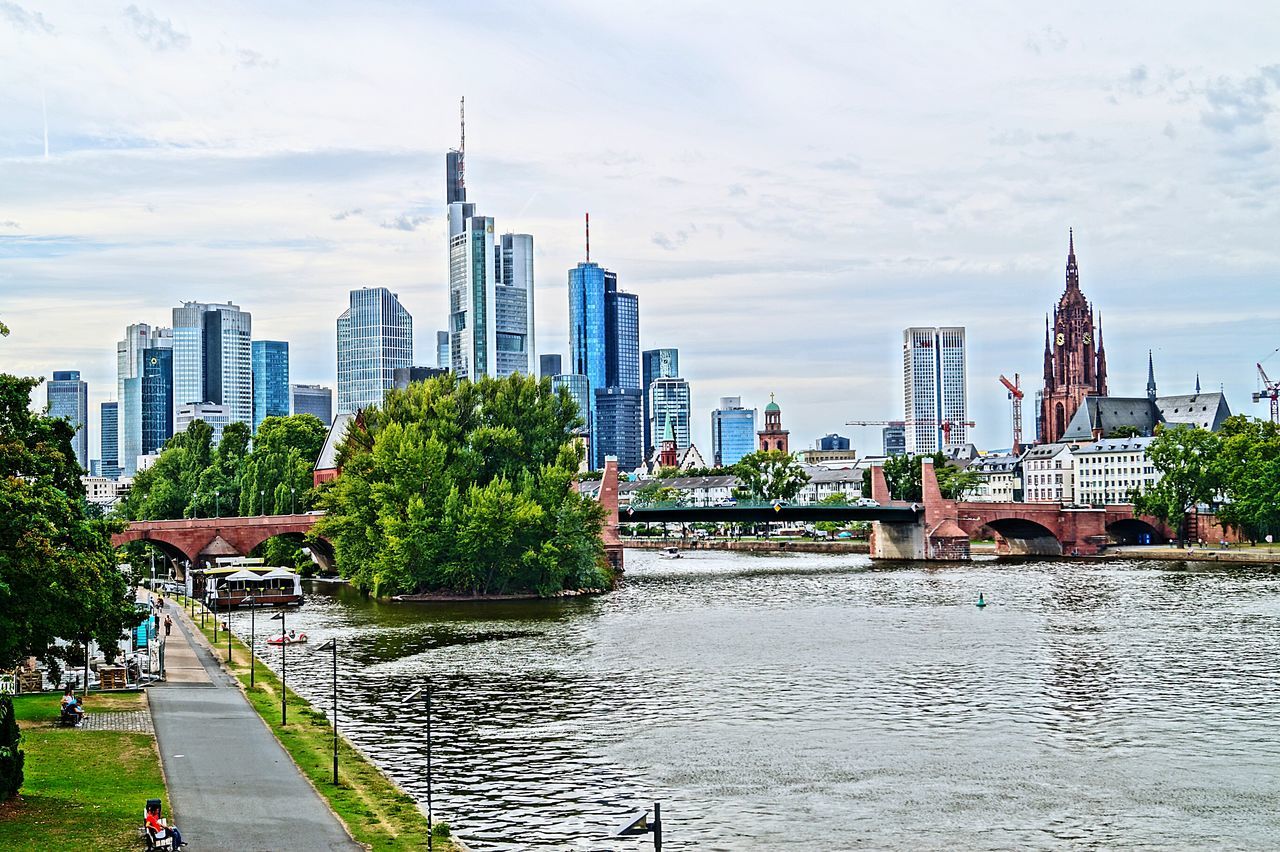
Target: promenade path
(232, 785)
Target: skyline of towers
(375, 336)
(934, 388)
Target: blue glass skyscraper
(270, 380)
(110, 440)
(604, 346)
(375, 336)
(68, 397)
(157, 399)
(733, 431)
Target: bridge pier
(936, 536)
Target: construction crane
(1015, 395)
(1271, 391)
(945, 425)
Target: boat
(249, 582)
(670, 553)
(289, 638)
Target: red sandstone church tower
(1075, 362)
(773, 436)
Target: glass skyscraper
(550, 365)
(375, 336)
(580, 392)
(109, 440)
(212, 358)
(313, 399)
(604, 346)
(618, 430)
(442, 350)
(656, 364)
(667, 402)
(139, 338)
(270, 380)
(68, 397)
(733, 431)
(934, 388)
(157, 399)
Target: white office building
(375, 337)
(217, 416)
(935, 389)
(1112, 470)
(1048, 473)
(213, 358)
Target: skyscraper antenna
(462, 143)
(588, 237)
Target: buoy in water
(981, 603)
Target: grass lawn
(375, 811)
(83, 789)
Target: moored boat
(248, 582)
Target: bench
(154, 839)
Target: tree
(1186, 458)
(465, 487)
(771, 475)
(275, 478)
(1124, 432)
(1247, 473)
(58, 574)
(904, 476)
(836, 499)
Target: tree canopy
(58, 572)
(1185, 458)
(904, 477)
(770, 475)
(465, 487)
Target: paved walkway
(137, 721)
(231, 783)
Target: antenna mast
(588, 237)
(462, 145)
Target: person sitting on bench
(160, 826)
(71, 706)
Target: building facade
(1075, 362)
(212, 358)
(270, 380)
(1112, 471)
(1048, 473)
(157, 398)
(833, 442)
(999, 479)
(894, 440)
(442, 350)
(667, 402)
(550, 365)
(316, 400)
(375, 336)
(773, 436)
(733, 432)
(655, 364)
(617, 427)
(935, 388)
(215, 415)
(579, 390)
(130, 363)
(68, 397)
(404, 376)
(109, 439)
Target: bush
(11, 757)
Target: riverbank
(763, 545)
(85, 787)
(1240, 554)
(374, 810)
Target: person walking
(168, 625)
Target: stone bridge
(1030, 529)
(202, 540)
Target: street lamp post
(262, 501)
(284, 688)
(430, 815)
(217, 504)
(293, 494)
(332, 645)
(253, 659)
(228, 625)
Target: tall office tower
(442, 350)
(130, 353)
(604, 346)
(212, 358)
(550, 365)
(212, 413)
(68, 397)
(733, 431)
(934, 388)
(895, 440)
(656, 364)
(375, 336)
(270, 380)
(667, 402)
(491, 287)
(618, 428)
(157, 398)
(313, 399)
(109, 439)
(580, 391)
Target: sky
(785, 187)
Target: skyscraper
(212, 358)
(270, 380)
(375, 336)
(316, 400)
(1075, 363)
(894, 439)
(491, 287)
(656, 364)
(212, 413)
(618, 430)
(667, 401)
(604, 346)
(131, 352)
(550, 365)
(157, 398)
(68, 397)
(580, 392)
(109, 439)
(733, 431)
(934, 388)
(442, 350)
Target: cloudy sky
(785, 187)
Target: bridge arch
(1024, 537)
(1134, 531)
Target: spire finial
(1071, 242)
(1151, 377)
(462, 140)
(1197, 384)
(1073, 273)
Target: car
(727, 502)
(867, 503)
(845, 534)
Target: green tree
(836, 499)
(58, 574)
(770, 475)
(1247, 472)
(1124, 432)
(275, 478)
(455, 486)
(904, 476)
(1187, 460)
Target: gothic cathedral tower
(1075, 362)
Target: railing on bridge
(765, 511)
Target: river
(819, 702)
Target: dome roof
(772, 406)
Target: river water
(819, 702)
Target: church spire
(1151, 377)
(1073, 273)
(1197, 384)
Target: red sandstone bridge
(935, 529)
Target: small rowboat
(291, 639)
